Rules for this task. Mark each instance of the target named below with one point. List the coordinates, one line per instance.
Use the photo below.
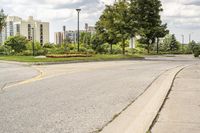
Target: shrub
(103, 49)
(116, 49)
(48, 45)
(196, 50)
(17, 43)
(5, 50)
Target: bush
(116, 49)
(196, 50)
(103, 49)
(17, 43)
(132, 51)
(5, 50)
(48, 45)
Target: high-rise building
(17, 26)
(59, 38)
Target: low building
(16, 26)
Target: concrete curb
(85, 61)
(15, 62)
(139, 116)
(69, 62)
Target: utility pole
(183, 41)
(78, 36)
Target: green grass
(31, 59)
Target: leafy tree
(149, 20)
(132, 18)
(17, 43)
(96, 42)
(161, 31)
(66, 42)
(191, 46)
(121, 27)
(105, 27)
(85, 38)
(2, 19)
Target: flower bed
(68, 55)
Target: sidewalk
(181, 112)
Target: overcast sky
(182, 16)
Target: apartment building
(59, 37)
(16, 26)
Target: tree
(161, 32)
(17, 43)
(191, 46)
(2, 20)
(85, 38)
(96, 41)
(66, 42)
(174, 44)
(121, 22)
(149, 20)
(105, 27)
(170, 43)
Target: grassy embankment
(31, 59)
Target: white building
(17, 26)
(59, 37)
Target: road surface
(75, 98)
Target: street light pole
(78, 35)
(183, 41)
(33, 39)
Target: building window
(18, 29)
(29, 32)
(41, 34)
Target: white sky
(182, 16)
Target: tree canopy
(126, 19)
(2, 19)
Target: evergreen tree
(174, 44)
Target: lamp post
(33, 39)
(78, 35)
(183, 41)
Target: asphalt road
(75, 98)
(12, 73)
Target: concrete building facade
(17, 26)
(59, 37)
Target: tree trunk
(123, 46)
(148, 48)
(111, 49)
(157, 45)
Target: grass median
(31, 59)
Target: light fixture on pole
(78, 34)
